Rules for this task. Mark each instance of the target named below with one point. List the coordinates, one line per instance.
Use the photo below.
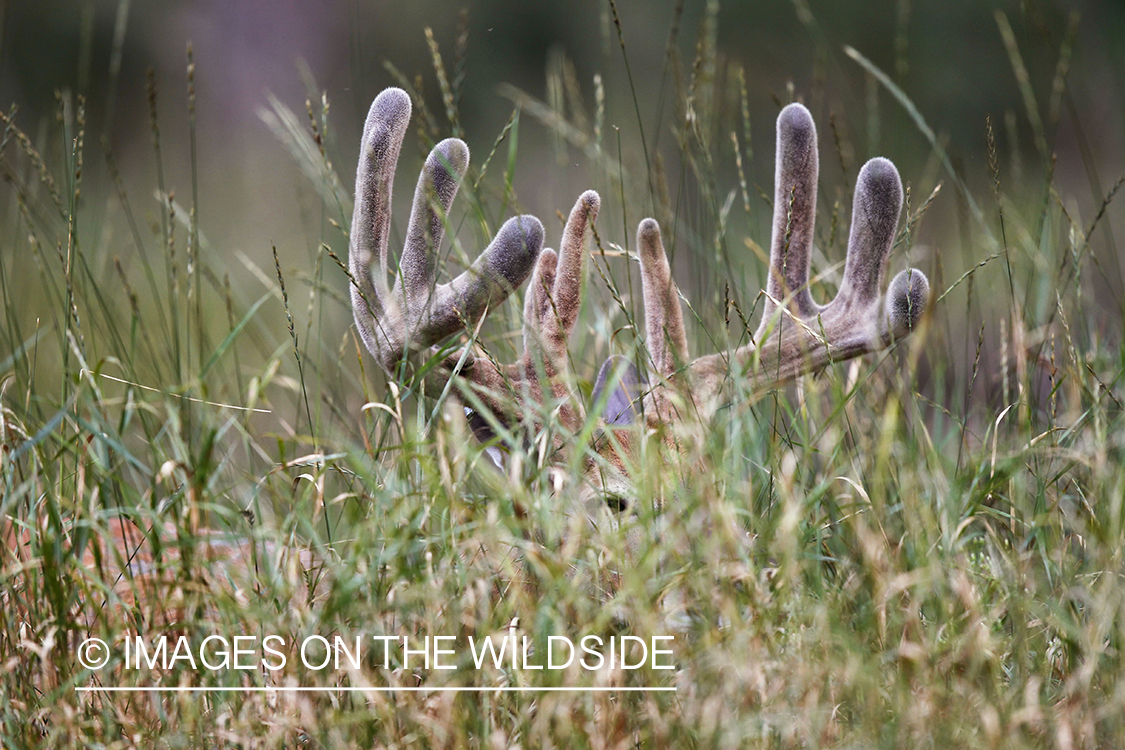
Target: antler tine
(875, 210)
(664, 320)
(500, 269)
(537, 305)
(378, 324)
(437, 187)
(418, 313)
(794, 213)
(570, 274)
(907, 298)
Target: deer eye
(616, 502)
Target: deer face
(670, 393)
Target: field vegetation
(922, 548)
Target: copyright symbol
(93, 653)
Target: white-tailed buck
(796, 335)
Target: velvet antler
(551, 306)
(796, 335)
(419, 313)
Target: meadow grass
(921, 548)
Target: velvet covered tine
(566, 292)
(383, 132)
(875, 210)
(537, 300)
(664, 320)
(437, 187)
(907, 297)
(500, 269)
(794, 211)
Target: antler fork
(796, 334)
(418, 313)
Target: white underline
(353, 689)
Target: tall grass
(921, 548)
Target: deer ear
(621, 405)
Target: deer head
(796, 335)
